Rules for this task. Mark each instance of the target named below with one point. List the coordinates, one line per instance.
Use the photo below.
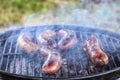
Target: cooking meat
(53, 60)
(68, 39)
(25, 43)
(47, 38)
(44, 51)
(92, 48)
(52, 63)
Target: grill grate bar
(83, 70)
(17, 65)
(114, 61)
(29, 68)
(106, 43)
(12, 65)
(24, 71)
(33, 68)
(36, 61)
(11, 54)
(78, 49)
(11, 68)
(15, 58)
(3, 53)
(40, 62)
(101, 44)
(40, 69)
(113, 45)
(21, 64)
(8, 59)
(86, 36)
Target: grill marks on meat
(25, 43)
(68, 39)
(92, 49)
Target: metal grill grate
(75, 62)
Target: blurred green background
(15, 10)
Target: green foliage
(14, 10)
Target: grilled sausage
(92, 48)
(44, 51)
(52, 63)
(53, 58)
(68, 39)
(47, 39)
(25, 43)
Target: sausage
(97, 56)
(25, 43)
(68, 39)
(53, 58)
(47, 38)
(52, 63)
(44, 51)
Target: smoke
(88, 13)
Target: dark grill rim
(102, 31)
(78, 77)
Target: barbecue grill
(75, 62)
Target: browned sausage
(52, 63)
(53, 58)
(92, 48)
(47, 39)
(68, 39)
(25, 43)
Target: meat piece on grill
(53, 58)
(47, 38)
(25, 43)
(97, 56)
(44, 51)
(68, 39)
(52, 63)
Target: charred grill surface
(75, 63)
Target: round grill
(75, 62)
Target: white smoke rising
(89, 13)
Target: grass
(14, 10)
